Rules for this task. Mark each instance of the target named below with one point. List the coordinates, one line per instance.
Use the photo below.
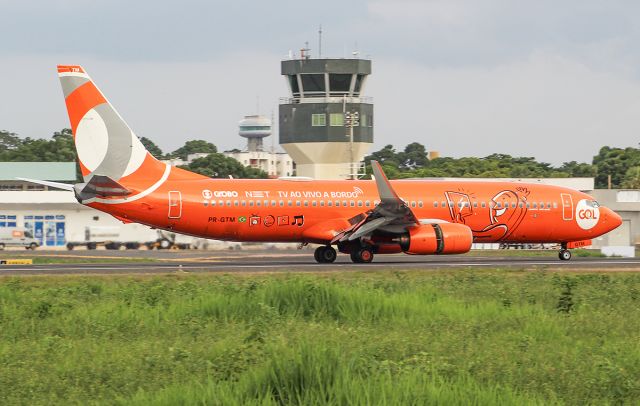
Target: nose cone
(611, 219)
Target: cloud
(546, 105)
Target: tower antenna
(320, 41)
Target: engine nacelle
(442, 238)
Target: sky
(548, 79)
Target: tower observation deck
(326, 124)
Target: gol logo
(587, 216)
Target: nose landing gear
(564, 253)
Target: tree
(632, 178)
(9, 141)
(414, 156)
(614, 162)
(152, 147)
(580, 170)
(217, 165)
(194, 147)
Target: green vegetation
(60, 148)
(455, 337)
(622, 164)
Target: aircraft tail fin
(105, 144)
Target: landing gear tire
(325, 255)
(362, 255)
(564, 255)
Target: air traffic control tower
(326, 125)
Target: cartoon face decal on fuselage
(506, 211)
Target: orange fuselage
(314, 211)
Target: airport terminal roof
(56, 171)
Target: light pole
(351, 119)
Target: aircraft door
(567, 206)
(175, 204)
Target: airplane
(361, 218)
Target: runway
(167, 262)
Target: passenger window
(527, 205)
(513, 205)
(213, 202)
(442, 204)
(290, 203)
(466, 204)
(306, 203)
(483, 204)
(450, 204)
(548, 205)
(244, 203)
(298, 203)
(273, 203)
(555, 205)
(535, 205)
(413, 204)
(250, 203)
(475, 204)
(520, 205)
(314, 203)
(329, 203)
(352, 203)
(420, 203)
(321, 203)
(435, 204)
(344, 203)
(337, 203)
(367, 203)
(236, 203)
(266, 203)
(220, 203)
(281, 203)
(258, 203)
(229, 203)
(359, 203)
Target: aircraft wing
(391, 214)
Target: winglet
(386, 192)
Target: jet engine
(441, 238)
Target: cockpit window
(593, 203)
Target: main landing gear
(362, 255)
(325, 254)
(564, 253)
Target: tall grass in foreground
(465, 337)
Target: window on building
(339, 82)
(318, 120)
(312, 83)
(336, 119)
(293, 82)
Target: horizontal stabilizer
(103, 186)
(58, 185)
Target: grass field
(455, 337)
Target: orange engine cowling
(443, 238)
